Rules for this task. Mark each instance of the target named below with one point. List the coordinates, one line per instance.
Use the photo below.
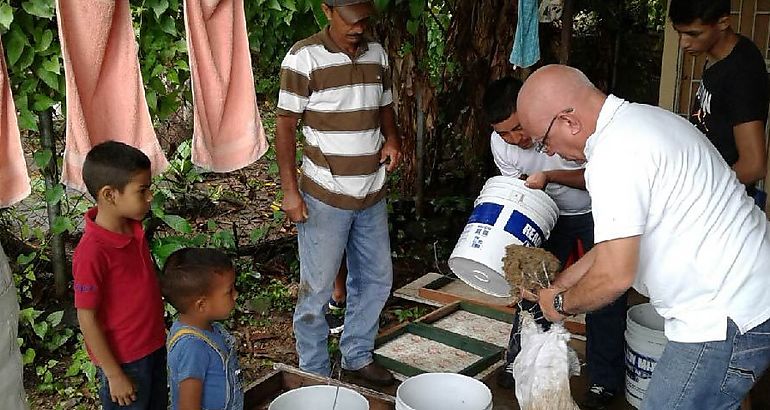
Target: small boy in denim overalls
(202, 361)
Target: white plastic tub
(443, 391)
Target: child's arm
(190, 394)
(122, 390)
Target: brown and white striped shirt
(338, 99)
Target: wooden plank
(263, 390)
(669, 69)
(411, 290)
(486, 311)
(465, 343)
(447, 291)
(576, 328)
(439, 313)
(747, 17)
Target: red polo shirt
(114, 275)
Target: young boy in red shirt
(117, 294)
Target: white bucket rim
(498, 281)
(531, 194)
(644, 317)
(406, 384)
(354, 395)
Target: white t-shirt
(705, 247)
(514, 161)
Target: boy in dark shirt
(117, 295)
(732, 101)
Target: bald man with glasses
(518, 155)
(672, 220)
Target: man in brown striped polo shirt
(337, 83)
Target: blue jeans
(604, 327)
(710, 375)
(149, 377)
(327, 233)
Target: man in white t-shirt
(516, 156)
(673, 221)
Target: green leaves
(54, 195)
(177, 223)
(61, 224)
(15, 43)
(158, 7)
(43, 102)
(273, 4)
(381, 5)
(39, 8)
(6, 16)
(43, 42)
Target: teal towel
(526, 43)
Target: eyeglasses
(540, 143)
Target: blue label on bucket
(638, 366)
(524, 229)
(485, 213)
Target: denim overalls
(234, 394)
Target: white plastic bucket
(443, 391)
(645, 342)
(320, 397)
(506, 212)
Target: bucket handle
(481, 276)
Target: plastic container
(645, 342)
(320, 397)
(443, 391)
(506, 212)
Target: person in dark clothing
(732, 101)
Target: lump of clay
(529, 268)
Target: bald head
(558, 92)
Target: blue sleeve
(189, 359)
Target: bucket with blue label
(505, 213)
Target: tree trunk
(480, 39)
(51, 173)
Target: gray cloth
(12, 395)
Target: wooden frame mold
(488, 353)
(259, 394)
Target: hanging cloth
(14, 180)
(526, 41)
(105, 93)
(228, 132)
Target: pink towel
(14, 180)
(105, 94)
(228, 132)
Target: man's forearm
(611, 273)
(286, 153)
(570, 276)
(388, 123)
(752, 153)
(750, 171)
(594, 291)
(574, 178)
